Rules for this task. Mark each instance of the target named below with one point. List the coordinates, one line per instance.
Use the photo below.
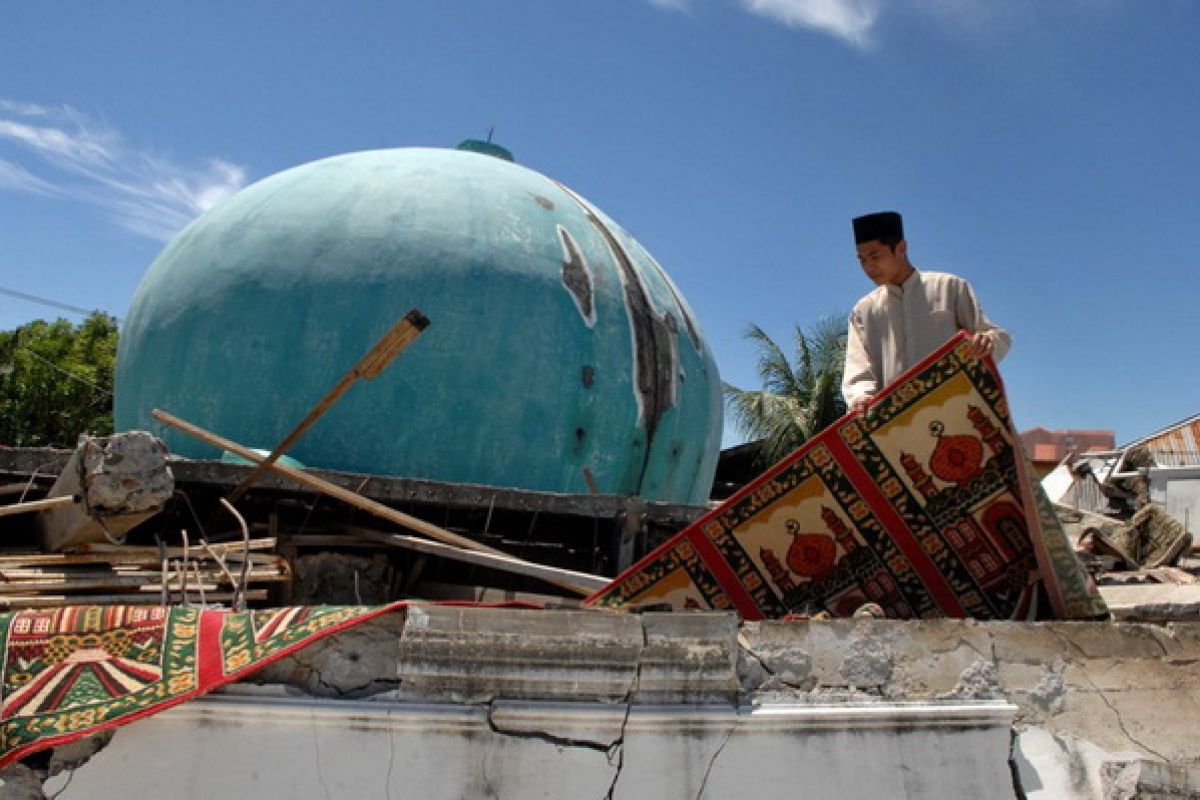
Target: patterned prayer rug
(923, 506)
(73, 671)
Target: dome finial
(486, 146)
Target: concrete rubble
(121, 481)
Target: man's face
(883, 264)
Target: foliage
(56, 381)
(798, 398)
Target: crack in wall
(775, 678)
(1068, 641)
(387, 786)
(44, 765)
(317, 763)
(712, 761)
(70, 777)
(1014, 768)
(371, 687)
(483, 769)
(1121, 719)
(619, 744)
(544, 736)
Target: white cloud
(976, 16)
(855, 21)
(850, 20)
(17, 178)
(61, 152)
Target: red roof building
(1047, 448)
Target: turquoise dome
(557, 345)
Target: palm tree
(798, 399)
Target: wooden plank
(18, 576)
(331, 540)
(592, 582)
(120, 560)
(225, 549)
(139, 582)
(139, 599)
(22, 489)
(390, 345)
(564, 578)
(30, 506)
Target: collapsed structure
(535, 472)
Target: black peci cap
(883, 226)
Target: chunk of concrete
(122, 479)
(689, 658)
(1153, 602)
(481, 654)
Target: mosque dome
(559, 352)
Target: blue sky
(1047, 150)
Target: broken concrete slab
(122, 479)
(362, 661)
(1150, 780)
(1153, 602)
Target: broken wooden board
(410, 326)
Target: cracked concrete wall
(622, 703)
(245, 745)
(1091, 696)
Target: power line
(32, 298)
(65, 371)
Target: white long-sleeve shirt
(895, 327)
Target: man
(908, 316)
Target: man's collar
(912, 281)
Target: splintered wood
(113, 574)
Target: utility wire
(32, 298)
(66, 372)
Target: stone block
(689, 658)
(481, 654)
(122, 481)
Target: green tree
(56, 381)
(800, 396)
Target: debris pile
(132, 575)
(1129, 512)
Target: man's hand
(859, 405)
(981, 345)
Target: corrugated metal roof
(1176, 445)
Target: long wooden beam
(565, 579)
(390, 345)
(38, 505)
(593, 582)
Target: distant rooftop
(1044, 445)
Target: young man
(908, 316)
